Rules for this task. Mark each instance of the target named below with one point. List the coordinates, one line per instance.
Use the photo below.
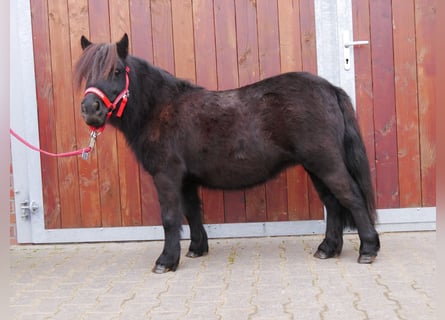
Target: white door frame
(331, 18)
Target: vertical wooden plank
(290, 35)
(106, 143)
(184, 48)
(425, 15)
(130, 193)
(363, 81)
(268, 38)
(151, 209)
(308, 38)
(227, 66)
(248, 72)
(161, 19)
(45, 105)
(384, 104)
(298, 194)
(141, 35)
(64, 113)
(88, 170)
(142, 46)
(234, 206)
(406, 102)
(225, 37)
(99, 20)
(291, 60)
(269, 59)
(205, 50)
(247, 42)
(205, 60)
(309, 63)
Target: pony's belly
(239, 175)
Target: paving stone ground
(257, 278)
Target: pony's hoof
(320, 254)
(160, 268)
(366, 258)
(192, 254)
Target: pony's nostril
(95, 105)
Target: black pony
(186, 136)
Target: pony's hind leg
(338, 181)
(192, 206)
(348, 194)
(333, 242)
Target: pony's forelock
(96, 62)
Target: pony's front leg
(192, 205)
(170, 200)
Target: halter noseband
(111, 106)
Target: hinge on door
(28, 208)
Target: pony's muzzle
(93, 111)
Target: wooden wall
(395, 85)
(223, 44)
(217, 44)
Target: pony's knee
(171, 222)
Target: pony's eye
(117, 72)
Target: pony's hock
(186, 136)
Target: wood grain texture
(363, 81)
(162, 33)
(151, 210)
(45, 106)
(90, 207)
(384, 104)
(64, 112)
(183, 39)
(408, 148)
(141, 32)
(425, 15)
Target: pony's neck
(168, 86)
(151, 89)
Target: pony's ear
(122, 47)
(84, 42)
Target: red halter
(111, 106)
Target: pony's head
(103, 69)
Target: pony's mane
(96, 62)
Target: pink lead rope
(84, 152)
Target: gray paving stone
(258, 278)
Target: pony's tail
(355, 154)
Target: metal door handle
(356, 43)
(348, 44)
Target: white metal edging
(23, 118)
(332, 19)
(389, 220)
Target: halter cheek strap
(111, 106)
